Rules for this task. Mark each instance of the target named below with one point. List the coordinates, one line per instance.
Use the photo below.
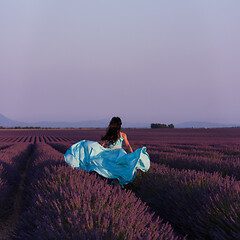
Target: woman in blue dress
(111, 161)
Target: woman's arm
(127, 142)
(103, 143)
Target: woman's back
(118, 143)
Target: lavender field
(191, 191)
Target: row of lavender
(36, 136)
(12, 163)
(34, 139)
(63, 203)
(224, 159)
(201, 204)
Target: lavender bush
(43, 156)
(12, 162)
(61, 147)
(13, 159)
(230, 166)
(4, 146)
(185, 198)
(70, 204)
(5, 192)
(73, 204)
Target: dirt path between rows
(8, 226)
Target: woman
(114, 137)
(112, 161)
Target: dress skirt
(109, 163)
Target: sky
(165, 61)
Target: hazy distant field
(192, 187)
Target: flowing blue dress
(112, 162)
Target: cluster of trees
(161, 125)
(1, 127)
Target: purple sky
(145, 61)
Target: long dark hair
(113, 130)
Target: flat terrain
(192, 187)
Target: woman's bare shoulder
(124, 135)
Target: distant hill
(6, 122)
(196, 124)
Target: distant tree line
(161, 125)
(17, 127)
